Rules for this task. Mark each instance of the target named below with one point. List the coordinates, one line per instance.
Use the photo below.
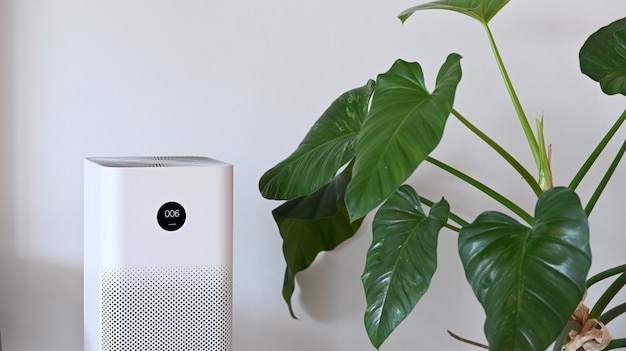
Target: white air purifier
(158, 254)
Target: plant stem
(596, 152)
(485, 189)
(530, 137)
(605, 180)
(452, 227)
(613, 313)
(564, 336)
(607, 296)
(496, 147)
(616, 344)
(467, 341)
(605, 274)
(545, 172)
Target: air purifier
(158, 254)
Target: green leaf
(327, 146)
(289, 286)
(603, 57)
(404, 125)
(481, 10)
(401, 260)
(620, 42)
(312, 224)
(528, 280)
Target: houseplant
(357, 156)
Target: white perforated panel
(169, 308)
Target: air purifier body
(157, 254)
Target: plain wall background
(242, 81)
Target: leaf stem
(564, 336)
(501, 151)
(485, 189)
(607, 296)
(530, 136)
(616, 344)
(596, 152)
(467, 341)
(605, 274)
(613, 313)
(452, 227)
(545, 171)
(605, 180)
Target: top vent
(156, 161)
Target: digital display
(171, 216)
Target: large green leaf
(481, 10)
(528, 280)
(404, 125)
(327, 146)
(312, 224)
(603, 57)
(401, 261)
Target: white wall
(241, 81)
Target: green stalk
(452, 227)
(545, 172)
(607, 296)
(485, 189)
(616, 344)
(613, 313)
(596, 152)
(497, 148)
(605, 180)
(530, 137)
(564, 336)
(605, 274)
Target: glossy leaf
(481, 10)
(404, 125)
(528, 280)
(327, 146)
(603, 57)
(401, 260)
(312, 224)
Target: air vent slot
(155, 161)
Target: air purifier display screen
(171, 216)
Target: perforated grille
(171, 308)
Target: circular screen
(171, 216)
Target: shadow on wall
(6, 159)
(32, 293)
(38, 294)
(330, 289)
(275, 333)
